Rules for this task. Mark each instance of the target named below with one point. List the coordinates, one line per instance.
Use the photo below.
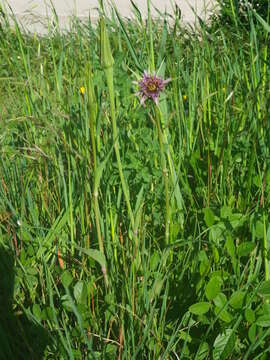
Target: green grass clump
(238, 12)
(132, 232)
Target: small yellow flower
(185, 97)
(82, 90)
(224, 89)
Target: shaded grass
(215, 133)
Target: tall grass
(137, 232)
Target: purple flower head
(150, 87)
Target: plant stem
(150, 29)
(165, 177)
(92, 108)
(109, 78)
(100, 240)
(266, 263)
(107, 63)
(71, 223)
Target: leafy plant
(238, 12)
(135, 232)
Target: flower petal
(150, 86)
(142, 101)
(167, 81)
(155, 100)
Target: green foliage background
(203, 293)
(233, 12)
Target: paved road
(32, 12)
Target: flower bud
(105, 48)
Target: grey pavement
(34, 14)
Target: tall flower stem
(150, 87)
(99, 236)
(150, 30)
(107, 64)
(165, 175)
(92, 109)
(109, 77)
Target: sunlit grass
(137, 232)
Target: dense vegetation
(130, 231)
(239, 12)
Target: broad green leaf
(66, 278)
(236, 300)
(47, 314)
(224, 345)
(219, 273)
(264, 288)
(80, 292)
(245, 248)
(213, 287)
(237, 220)
(230, 247)
(199, 308)
(66, 303)
(220, 300)
(252, 332)
(209, 217)
(217, 233)
(215, 254)
(203, 351)
(225, 212)
(265, 309)
(223, 315)
(94, 254)
(263, 321)
(250, 315)
(259, 230)
(37, 311)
